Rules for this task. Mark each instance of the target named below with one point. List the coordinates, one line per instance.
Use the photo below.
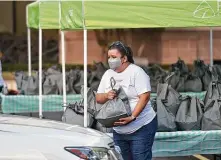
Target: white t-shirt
(134, 81)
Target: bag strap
(214, 84)
(181, 98)
(210, 90)
(112, 82)
(162, 90)
(219, 89)
(169, 76)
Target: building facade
(157, 45)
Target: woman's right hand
(111, 95)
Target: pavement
(195, 157)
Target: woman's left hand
(123, 121)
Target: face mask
(114, 63)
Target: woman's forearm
(143, 100)
(101, 98)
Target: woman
(134, 135)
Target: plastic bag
(113, 110)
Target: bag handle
(181, 98)
(162, 90)
(211, 90)
(112, 82)
(214, 84)
(168, 77)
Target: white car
(24, 138)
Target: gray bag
(74, 114)
(24, 84)
(189, 114)
(156, 74)
(213, 92)
(171, 98)
(209, 76)
(181, 66)
(91, 101)
(19, 75)
(193, 83)
(113, 110)
(166, 120)
(217, 69)
(173, 79)
(181, 85)
(50, 85)
(91, 104)
(32, 87)
(100, 70)
(103, 129)
(79, 82)
(199, 68)
(5, 90)
(212, 117)
(94, 81)
(53, 70)
(69, 85)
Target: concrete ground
(196, 157)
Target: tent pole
(40, 73)
(85, 78)
(63, 59)
(29, 51)
(63, 69)
(211, 46)
(85, 67)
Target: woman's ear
(125, 59)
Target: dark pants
(138, 145)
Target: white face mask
(114, 63)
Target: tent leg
(40, 73)
(63, 69)
(85, 78)
(211, 46)
(29, 51)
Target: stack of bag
(183, 80)
(52, 81)
(176, 113)
(186, 113)
(179, 77)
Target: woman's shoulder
(137, 69)
(108, 73)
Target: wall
(159, 46)
(6, 23)
(189, 45)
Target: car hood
(48, 124)
(21, 134)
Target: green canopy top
(69, 15)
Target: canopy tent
(89, 14)
(122, 14)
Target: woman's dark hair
(123, 49)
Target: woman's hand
(111, 95)
(123, 121)
(102, 98)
